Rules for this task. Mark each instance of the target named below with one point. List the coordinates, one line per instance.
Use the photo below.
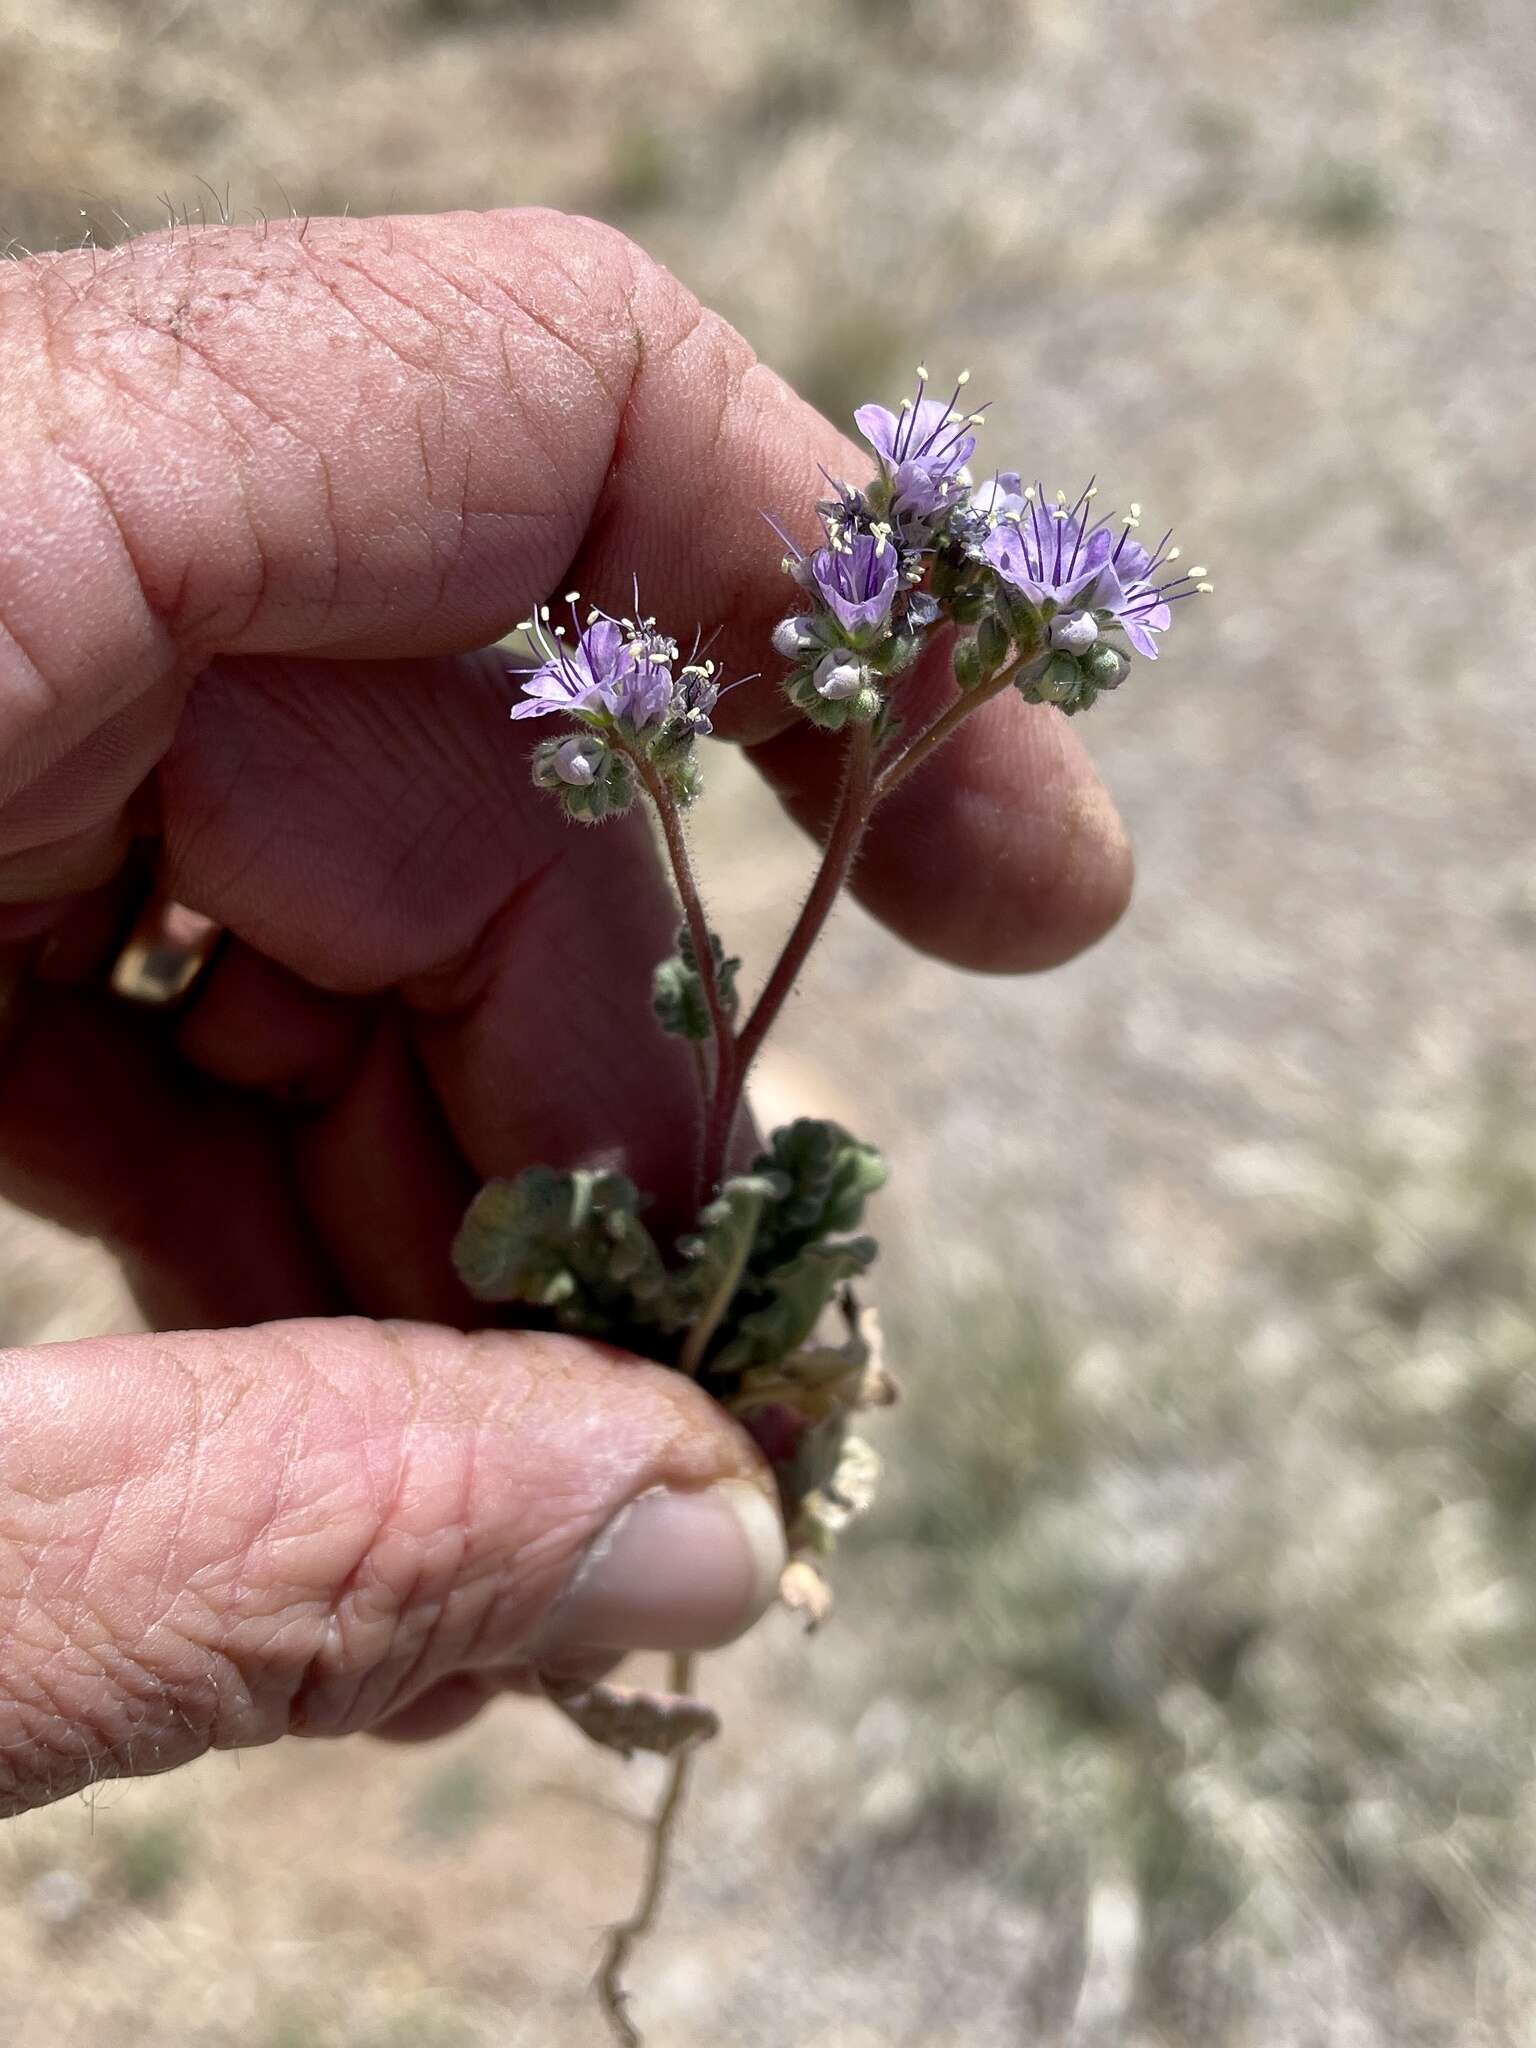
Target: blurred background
(1181, 1689)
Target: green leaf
(793, 1296)
(572, 1242)
(677, 993)
(829, 1176)
(716, 1255)
(715, 1259)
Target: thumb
(211, 1540)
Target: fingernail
(673, 1571)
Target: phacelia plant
(758, 1301)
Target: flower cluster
(1043, 595)
(1048, 597)
(639, 709)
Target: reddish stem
(933, 736)
(848, 824)
(726, 1057)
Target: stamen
(1077, 510)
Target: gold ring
(169, 950)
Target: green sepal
(832, 713)
(609, 796)
(677, 993)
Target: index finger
(392, 437)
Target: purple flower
(614, 669)
(857, 583)
(1053, 556)
(922, 448)
(696, 696)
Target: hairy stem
(726, 1059)
(842, 844)
(933, 736)
(705, 1324)
(622, 1939)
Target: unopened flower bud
(578, 760)
(967, 664)
(1018, 614)
(1075, 632)
(893, 655)
(571, 763)
(608, 795)
(1061, 679)
(794, 637)
(992, 643)
(839, 676)
(1105, 667)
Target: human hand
(265, 497)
